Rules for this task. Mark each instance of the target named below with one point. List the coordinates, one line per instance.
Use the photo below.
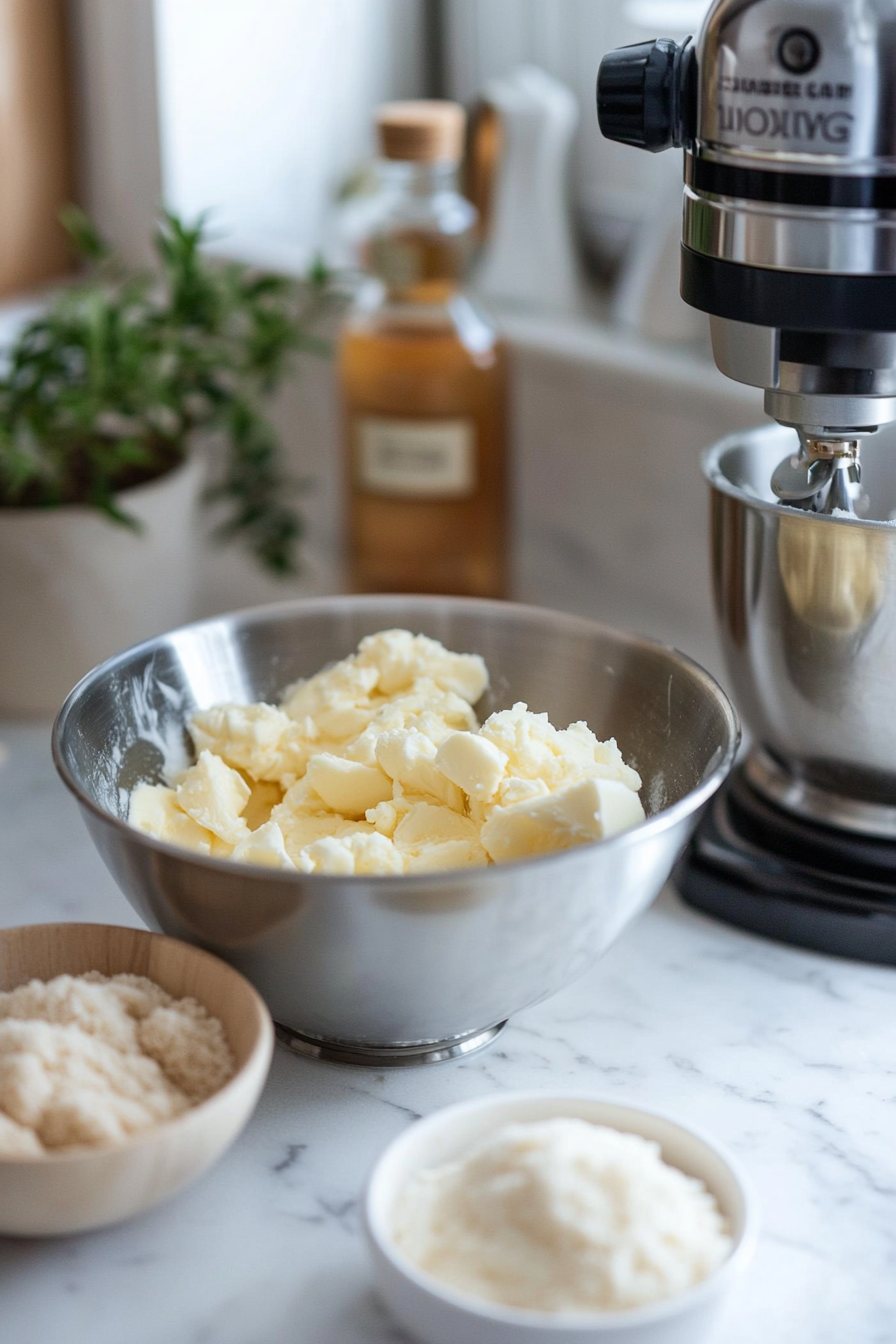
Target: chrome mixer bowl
(806, 608)
(391, 970)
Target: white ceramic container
(82, 1189)
(76, 587)
(433, 1313)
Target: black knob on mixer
(643, 94)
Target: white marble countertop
(788, 1057)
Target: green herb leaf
(113, 383)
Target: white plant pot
(76, 587)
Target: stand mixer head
(784, 110)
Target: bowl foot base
(374, 1056)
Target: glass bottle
(423, 380)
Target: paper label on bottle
(418, 459)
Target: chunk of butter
(347, 787)
(473, 763)
(245, 736)
(429, 824)
(537, 750)
(377, 764)
(214, 795)
(445, 855)
(154, 809)
(301, 827)
(409, 758)
(328, 855)
(344, 855)
(264, 846)
(592, 809)
(401, 658)
(374, 854)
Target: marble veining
(788, 1057)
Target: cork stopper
(428, 131)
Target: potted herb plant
(130, 398)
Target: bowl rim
(196, 1115)
(571, 1323)
(711, 460)
(665, 819)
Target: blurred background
(260, 111)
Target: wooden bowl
(79, 1189)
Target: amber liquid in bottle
(423, 378)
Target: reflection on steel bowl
(806, 606)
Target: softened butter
(378, 765)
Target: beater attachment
(824, 476)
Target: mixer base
(754, 865)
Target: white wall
(612, 185)
(265, 107)
(119, 163)
(611, 510)
(257, 108)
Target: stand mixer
(786, 113)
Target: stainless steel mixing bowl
(399, 969)
(806, 605)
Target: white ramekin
(437, 1314)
